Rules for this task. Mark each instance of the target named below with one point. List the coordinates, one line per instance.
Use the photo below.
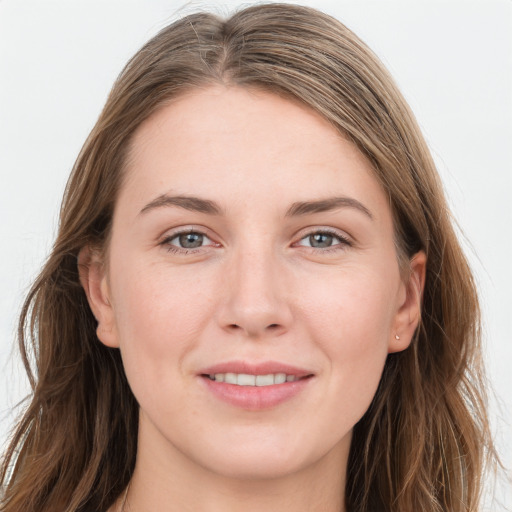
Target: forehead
(240, 116)
(235, 143)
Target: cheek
(157, 298)
(351, 320)
(356, 307)
(159, 315)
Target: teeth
(230, 378)
(280, 378)
(244, 379)
(265, 380)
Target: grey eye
(324, 240)
(321, 240)
(190, 240)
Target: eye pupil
(191, 240)
(321, 240)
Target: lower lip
(256, 398)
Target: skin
(256, 290)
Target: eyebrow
(325, 205)
(197, 204)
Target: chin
(264, 459)
(256, 468)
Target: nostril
(252, 330)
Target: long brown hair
(422, 444)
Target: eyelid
(344, 240)
(176, 236)
(186, 228)
(171, 234)
(312, 230)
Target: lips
(257, 386)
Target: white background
(452, 59)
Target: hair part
(422, 443)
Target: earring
(397, 337)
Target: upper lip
(262, 368)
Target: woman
(256, 298)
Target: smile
(245, 379)
(255, 386)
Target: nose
(255, 300)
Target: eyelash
(343, 241)
(166, 242)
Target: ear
(94, 281)
(408, 314)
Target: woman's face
(251, 245)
